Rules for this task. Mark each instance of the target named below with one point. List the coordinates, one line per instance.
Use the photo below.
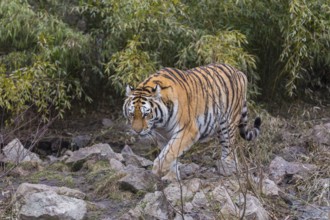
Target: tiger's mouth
(143, 133)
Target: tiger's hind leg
(226, 165)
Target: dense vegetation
(53, 52)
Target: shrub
(41, 60)
(141, 37)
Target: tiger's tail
(252, 134)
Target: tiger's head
(144, 109)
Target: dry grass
(104, 181)
(290, 127)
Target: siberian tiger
(179, 108)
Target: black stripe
(224, 85)
(231, 87)
(169, 77)
(169, 106)
(180, 73)
(173, 75)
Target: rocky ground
(94, 169)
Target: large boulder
(77, 158)
(28, 188)
(50, 205)
(37, 201)
(16, 153)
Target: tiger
(179, 108)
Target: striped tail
(252, 134)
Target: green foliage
(141, 37)
(290, 38)
(130, 66)
(53, 52)
(39, 62)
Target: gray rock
(187, 170)
(26, 188)
(16, 153)
(81, 141)
(185, 190)
(107, 123)
(131, 158)
(225, 198)
(200, 200)
(80, 156)
(38, 201)
(116, 165)
(174, 192)
(321, 134)
(313, 212)
(293, 152)
(137, 179)
(269, 188)
(254, 209)
(185, 217)
(152, 206)
(50, 205)
(279, 168)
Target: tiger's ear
(156, 91)
(129, 90)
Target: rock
(185, 217)
(50, 205)
(38, 201)
(132, 159)
(280, 168)
(16, 153)
(187, 170)
(200, 200)
(26, 188)
(254, 209)
(52, 159)
(225, 197)
(321, 134)
(293, 152)
(137, 179)
(313, 212)
(116, 165)
(80, 141)
(3, 159)
(80, 156)
(107, 123)
(174, 192)
(152, 206)
(269, 188)
(185, 190)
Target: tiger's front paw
(171, 176)
(159, 168)
(156, 170)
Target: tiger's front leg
(166, 162)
